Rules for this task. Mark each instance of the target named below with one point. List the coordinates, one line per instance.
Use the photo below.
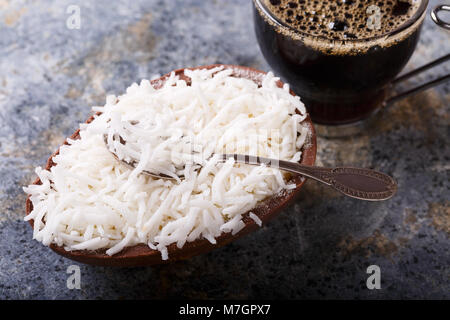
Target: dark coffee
(342, 20)
(334, 59)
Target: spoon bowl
(141, 254)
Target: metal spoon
(359, 183)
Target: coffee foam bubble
(336, 26)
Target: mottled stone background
(319, 247)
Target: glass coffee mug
(342, 70)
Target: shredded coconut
(89, 200)
(255, 218)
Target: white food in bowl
(90, 201)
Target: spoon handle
(359, 183)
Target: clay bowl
(142, 255)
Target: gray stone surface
(319, 247)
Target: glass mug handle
(436, 19)
(442, 79)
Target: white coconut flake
(88, 200)
(255, 218)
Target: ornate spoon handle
(360, 183)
